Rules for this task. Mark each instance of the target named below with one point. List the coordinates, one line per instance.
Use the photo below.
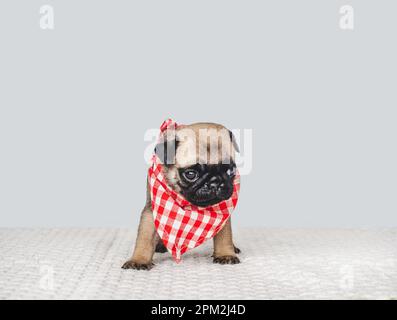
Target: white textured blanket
(276, 264)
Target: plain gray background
(75, 103)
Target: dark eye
(190, 175)
(231, 171)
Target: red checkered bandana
(180, 224)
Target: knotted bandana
(181, 225)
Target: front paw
(227, 260)
(137, 266)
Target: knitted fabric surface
(275, 264)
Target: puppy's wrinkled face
(204, 185)
(199, 162)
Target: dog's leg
(145, 243)
(160, 247)
(224, 249)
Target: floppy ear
(233, 139)
(166, 149)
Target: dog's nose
(215, 183)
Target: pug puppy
(198, 161)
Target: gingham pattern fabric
(180, 224)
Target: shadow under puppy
(198, 162)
